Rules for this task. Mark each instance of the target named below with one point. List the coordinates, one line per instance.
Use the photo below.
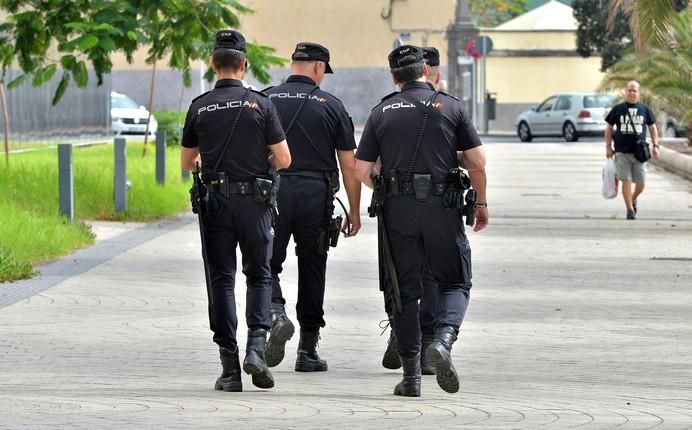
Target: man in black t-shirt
(418, 149)
(236, 135)
(319, 132)
(627, 124)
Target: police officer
(417, 133)
(231, 130)
(428, 302)
(319, 131)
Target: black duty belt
(406, 188)
(307, 173)
(231, 188)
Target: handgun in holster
(469, 210)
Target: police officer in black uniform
(428, 301)
(236, 135)
(319, 131)
(417, 133)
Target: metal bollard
(65, 181)
(120, 184)
(185, 174)
(161, 157)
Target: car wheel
(524, 132)
(569, 132)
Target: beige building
(534, 55)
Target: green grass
(31, 229)
(11, 268)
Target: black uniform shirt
(624, 135)
(392, 130)
(210, 119)
(322, 126)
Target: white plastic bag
(610, 184)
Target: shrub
(172, 123)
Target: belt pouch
(263, 188)
(393, 184)
(421, 186)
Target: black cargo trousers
(239, 220)
(305, 207)
(427, 235)
(428, 300)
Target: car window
(564, 103)
(547, 105)
(599, 100)
(123, 102)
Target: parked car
(129, 118)
(569, 115)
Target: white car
(129, 118)
(569, 115)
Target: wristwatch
(656, 145)
(480, 205)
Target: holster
(459, 177)
(329, 236)
(377, 199)
(470, 207)
(333, 180)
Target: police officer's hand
(355, 224)
(481, 218)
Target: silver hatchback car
(569, 115)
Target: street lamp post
(459, 34)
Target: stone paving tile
(578, 319)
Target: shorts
(627, 168)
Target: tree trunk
(6, 123)
(150, 105)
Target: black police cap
(230, 39)
(405, 55)
(310, 51)
(431, 56)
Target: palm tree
(650, 20)
(664, 71)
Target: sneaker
(634, 206)
(630, 214)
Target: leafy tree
(491, 13)
(593, 37)
(68, 37)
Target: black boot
(390, 359)
(426, 366)
(410, 385)
(230, 376)
(282, 331)
(440, 355)
(255, 363)
(308, 360)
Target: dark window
(599, 100)
(564, 103)
(547, 105)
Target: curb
(673, 161)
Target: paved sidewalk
(578, 318)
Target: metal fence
(82, 115)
